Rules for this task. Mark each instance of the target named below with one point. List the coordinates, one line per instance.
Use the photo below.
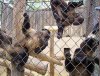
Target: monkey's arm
(69, 65)
(68, 62)
(41, 48)
(19, 58)
(55, 14)
(55, 11)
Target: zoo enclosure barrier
(41, 17)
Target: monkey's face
(75, 18)
(43, 41)
(46, 34)
(44, 38)
(89, 45)
(79, 55)
(78, 20)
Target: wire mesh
(52, 58)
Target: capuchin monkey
(82, 63)
(32, 42)
(65, 14)
(39, 40)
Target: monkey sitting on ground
(82, 64)
(65, 14)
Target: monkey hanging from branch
(32, 42)
(65, 14)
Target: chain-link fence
(49, 38)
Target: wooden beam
(28, 73)
(39, 68)
(52, 53)
(45, 57)
(40, 56)
(31, 66)
(59, 57)
(7, 64)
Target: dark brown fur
(32, 42)
(82, 64)
(65, 14)
(20, 51)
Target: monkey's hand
(67, 52)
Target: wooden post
(52, 53)
(52, 29)
(18, 10)
(45, 57)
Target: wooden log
(45, 57)
(31, 66)
(38, 67)
(52, 53)
(7, 64)
(59, 57)
(28, 72)
(40, 56)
